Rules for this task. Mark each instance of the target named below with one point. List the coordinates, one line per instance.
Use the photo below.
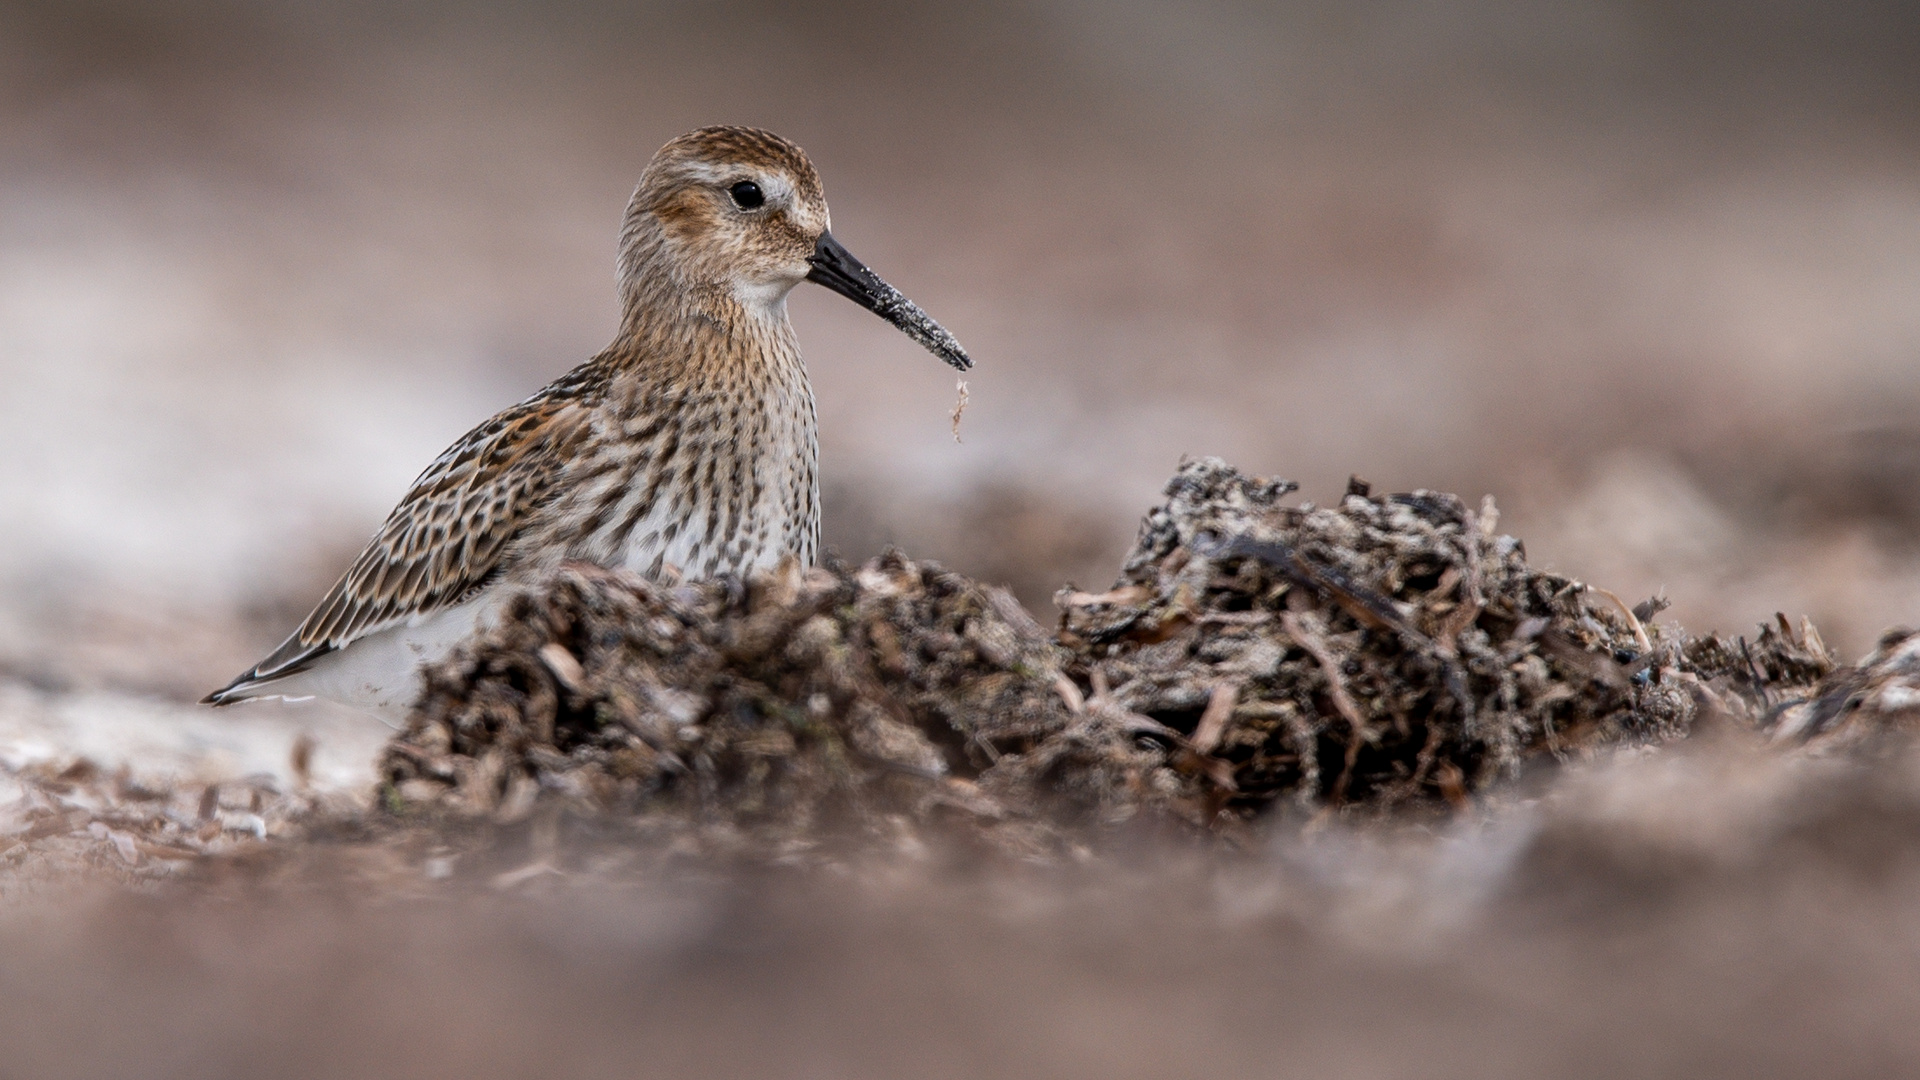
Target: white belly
(380, 674)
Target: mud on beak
(837, 269)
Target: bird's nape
(836, 268)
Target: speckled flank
(688, 446)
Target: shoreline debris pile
(1385, 652)
(793, 706)
(1393, 649)
(1385, 656)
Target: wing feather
(445, 539)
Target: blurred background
(1649, 274)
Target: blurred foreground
(1713, 911)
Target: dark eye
(746, 195)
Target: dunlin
(687, 446)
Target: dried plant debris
(1386, 650)
(770, 715)
(1850, 704)
(1386, 654)
(1389, 651)
(74, 817)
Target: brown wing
(445, 538)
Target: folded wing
(447, 537)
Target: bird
(688, 448)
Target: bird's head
(739, 212)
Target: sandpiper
(686, 447)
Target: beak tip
(834, 267)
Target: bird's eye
(746, 195)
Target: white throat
(766, 299)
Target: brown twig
(1633, 621)
(1369, 608)
(1076, 702)
(1311, 641)
(959, 407)
(1329, 666)
(1104, 705)
(1474, 600)
(1213, 722)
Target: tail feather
(291, 658)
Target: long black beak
(837, 269)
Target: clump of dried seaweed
(771, 714)
(1851, 703)
(1382, 652)
(1386, 652)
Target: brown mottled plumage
(689, 443)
